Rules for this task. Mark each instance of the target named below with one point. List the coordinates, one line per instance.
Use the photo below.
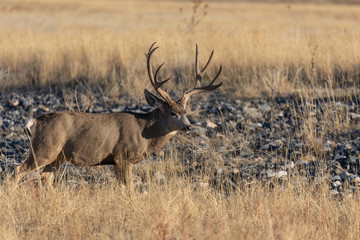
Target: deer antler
(199, 76)
(154, 79)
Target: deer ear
(153, 100)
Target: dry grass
(177, 209)
(263, 47)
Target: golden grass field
(177, 210)
(100, 45)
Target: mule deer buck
(120, 139)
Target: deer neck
(155, 132)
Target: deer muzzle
(187, 128)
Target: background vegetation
(102, 44)
(266, 50)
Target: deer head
(173, 113)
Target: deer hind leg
(33, 161)
(24, 168)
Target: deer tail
(28, 127)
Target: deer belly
(87, 152)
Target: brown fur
(88, 139)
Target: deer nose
(187, 128)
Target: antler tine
(154, 79)
(197, 70)
(208, 62)
(148, 56)
(217, 75)
(209, 87)
(157, 83)
(199, 76)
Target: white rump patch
(29, 125)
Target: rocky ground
(256, 139)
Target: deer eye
(174, 115)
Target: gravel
(263, 139)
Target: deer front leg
(123, 173)
(49, 172)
